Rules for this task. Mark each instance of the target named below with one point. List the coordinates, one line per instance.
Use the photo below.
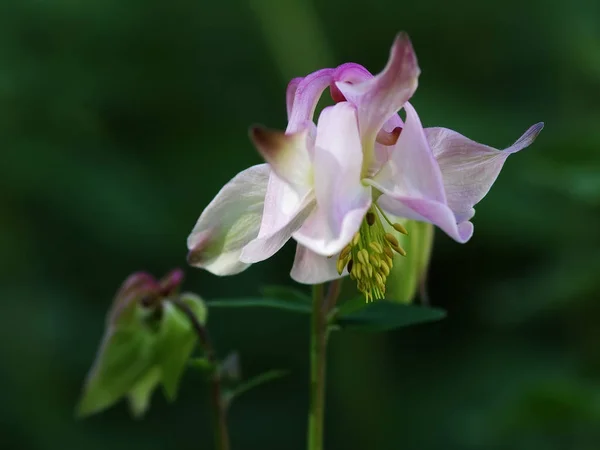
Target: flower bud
(408, 273)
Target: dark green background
(120, 120)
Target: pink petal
(411, 170)
(342, 200)
(229, 222)
(290, 94)
(379, 98)
(469, 169)
(306, 97)
(425, 210)
(312, 268)
(351, 73)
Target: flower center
(369, 257)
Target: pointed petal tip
(403, 48)
(197, 245)
(268, 142)
(401, 37)
(527, 138)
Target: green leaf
(126, 355)
(286, 293)
(139, 396)
(175, 345)
(255, 382)
(288, 305)
(384, 315)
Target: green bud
(148, 341)
(409, 272)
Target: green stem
(218, 403)
(318, 359)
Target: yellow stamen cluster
(369, 256)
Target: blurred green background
(120, 120)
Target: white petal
(312, 268)
(265, 246)
(342, 200)
(469, 169)
(229, 222)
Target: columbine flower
(333, 186)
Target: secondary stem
(318, 359)
(217, 401)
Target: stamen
(370, 218)
(368, 258)
(345, 252)
(400, 228)
(376, 246)
(391, 239)
(399, 249)
(396, 226)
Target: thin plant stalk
(218, 403)
(318, 360)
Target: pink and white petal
(342, 200)
(468, 168)
(319, 234)
(265, 246)
(287, 154)
(312, 268)
(379, 98)
(351, 73)
(411, 170)
(425, 210)
(229, 222)
(290, 94)
(306, 97)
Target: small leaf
(126, 354)
(139, 396)
(255, 382)
(293, 306)
(286, 293)
(385, 315)
(176, 341)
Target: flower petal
(312, 268)
(290, 94)
(306, 97)
(425, 210)
(266, 245)
(287, 154)
(411, 170)
(379, 98)
(469, 169)
(342, 200)
(229, 222)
